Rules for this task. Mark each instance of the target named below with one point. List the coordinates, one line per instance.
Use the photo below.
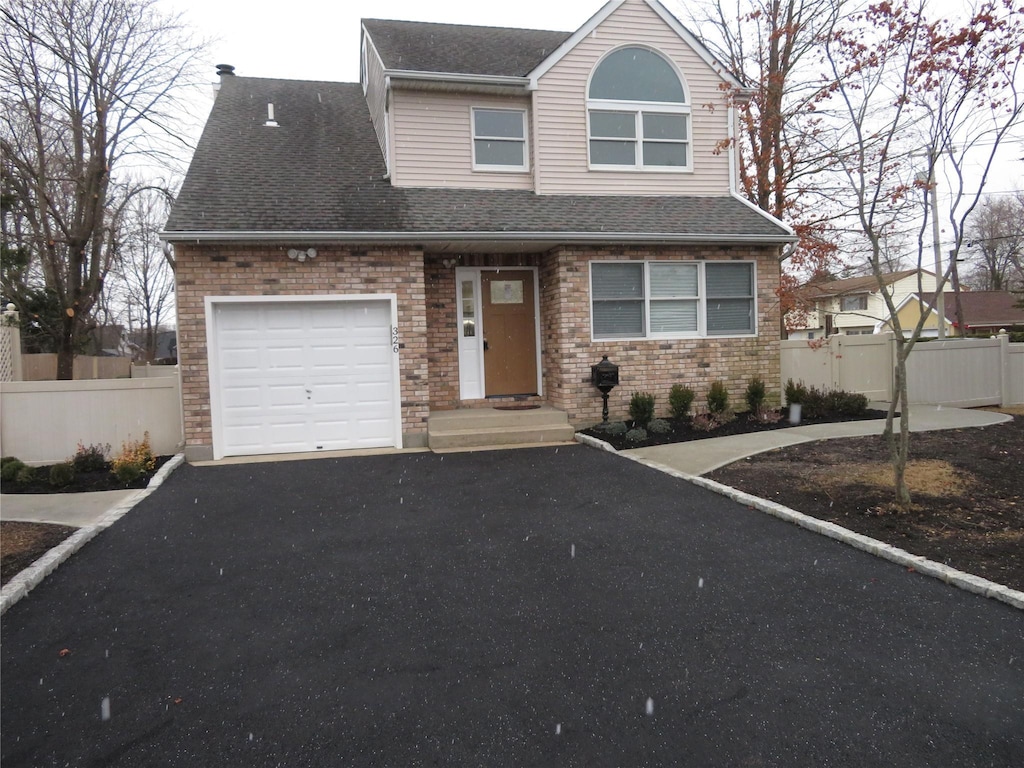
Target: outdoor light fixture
(301, 256)
(604, 376)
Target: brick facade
(427, 311)
(257, 270)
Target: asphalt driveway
(547, 607)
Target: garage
(313, 374)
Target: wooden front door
(510, 332)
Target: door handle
(486, 345)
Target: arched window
(638, 114)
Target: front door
(510, 332)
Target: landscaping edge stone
(917, 563)
(29, 578)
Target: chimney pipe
(225, 69)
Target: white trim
(213, 352)
(702, 299)
(457, 77)
(481, 330)
(461, 275)
(341, 236)
(525, 167)
(791, 233)
(594, 21)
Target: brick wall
(650, 366)
(255, 270)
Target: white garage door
(304, 376)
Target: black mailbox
(604, 376)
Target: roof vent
(271, 122)
(225, 69)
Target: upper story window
(499, 140)
(857, 302)
(638, 116)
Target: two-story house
(476, 222)
(855, 305)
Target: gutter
(456, 77)
(313, 236)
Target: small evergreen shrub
(25, 475)
(135, 458)
(641, 408)
(611, 428)
(92, 458)
(796, 392)
(659, 427)
(755, 394)
(841, 403)
(62, 474)
(680, 399)
(6, 460)
(718, 398)
(636, 435)
(10, 469)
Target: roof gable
(602, 15)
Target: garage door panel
(305, 376)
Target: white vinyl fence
(958, 372)
(42, 422)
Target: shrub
(10, 469)
(842, 403)
(796, 392)
(6, 459)
(25, 475)
(659, 427)
(611, 428)
(765, 415)
(636, 435)
(641, 408)
(680, 399)
(91, 458)
(135, 458)
(705, 422)
(62, 474)
(755, 394)
(718, 398)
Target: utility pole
(940, 302)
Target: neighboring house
(853, 306)
(111, 341)
(985, 313)
(478, 221)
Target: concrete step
(480, 427)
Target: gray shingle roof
(321, 170)
(458, 48)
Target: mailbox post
(604, 376)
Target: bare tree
(142, 282)
(996, 244)
(86, 87)
(907, 92)
(775, 47)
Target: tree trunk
(899, 444)
(66, 349)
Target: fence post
(1004, 368)
(10, 328)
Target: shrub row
(135, 458)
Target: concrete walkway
(77, 509)
(699, 457)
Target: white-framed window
(638, 113)
(855, 303)
(672, 299)
(499, 139)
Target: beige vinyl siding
(561, 104)
(376, 96)
(433, 146)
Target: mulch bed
(84, 482)
(21, 544)
(682, 431)
(967, 486)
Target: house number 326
(394, 338)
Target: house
(854, 305)
(985, 313)
(476, 222)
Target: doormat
(516, 407)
